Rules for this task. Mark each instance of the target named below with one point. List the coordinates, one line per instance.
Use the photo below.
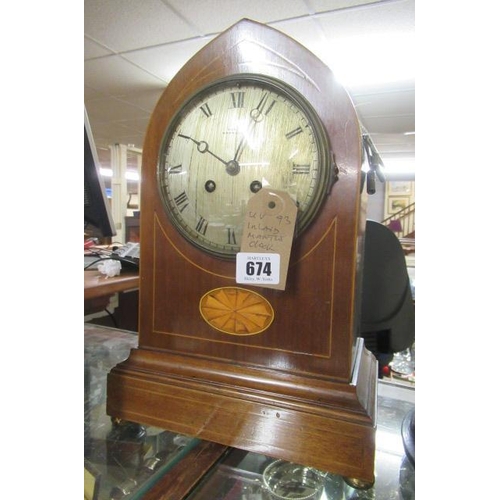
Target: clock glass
(228, 141)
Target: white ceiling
(134, 47)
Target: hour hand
(232, 166)
(203, 147)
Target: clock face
(230, 140)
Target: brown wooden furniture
(97, 285)
(98, 290)
(184, 477)
(304, 388)
(132, 229)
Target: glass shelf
(240, 474)
(122, 460)
(126, 460)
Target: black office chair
(387, 307)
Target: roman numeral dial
(230, 140)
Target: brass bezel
(325, 166)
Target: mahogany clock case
(327, 250)
(304, 388)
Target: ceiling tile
(90, 93)
(101, 109)
(115, 132)
(213, 16)
(328, 5)
(384, 104)
(116, 76)
(305, 30)
(92, 50)
(388, 124)
(133, 48)
(145, 100)
(166, 60)
(375, 18)
(124, 25)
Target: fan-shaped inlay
(236, 311)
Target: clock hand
(246, 135)
(239, 149)
(203, 147)
(232, 166)
(257, 115)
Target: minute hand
(244, 141)
(203, 147)
(257, 115)
(239, 149)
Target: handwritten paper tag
(267, 238)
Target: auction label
(266, 242)
(258, 268)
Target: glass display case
(129, 461)
(242, 475)
(122, 459)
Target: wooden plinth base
(319, 423)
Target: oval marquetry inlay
(236, 311)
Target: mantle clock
(274, 370)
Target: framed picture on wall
(397, 203)
(400, 188)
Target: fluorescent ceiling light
(130, 176)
